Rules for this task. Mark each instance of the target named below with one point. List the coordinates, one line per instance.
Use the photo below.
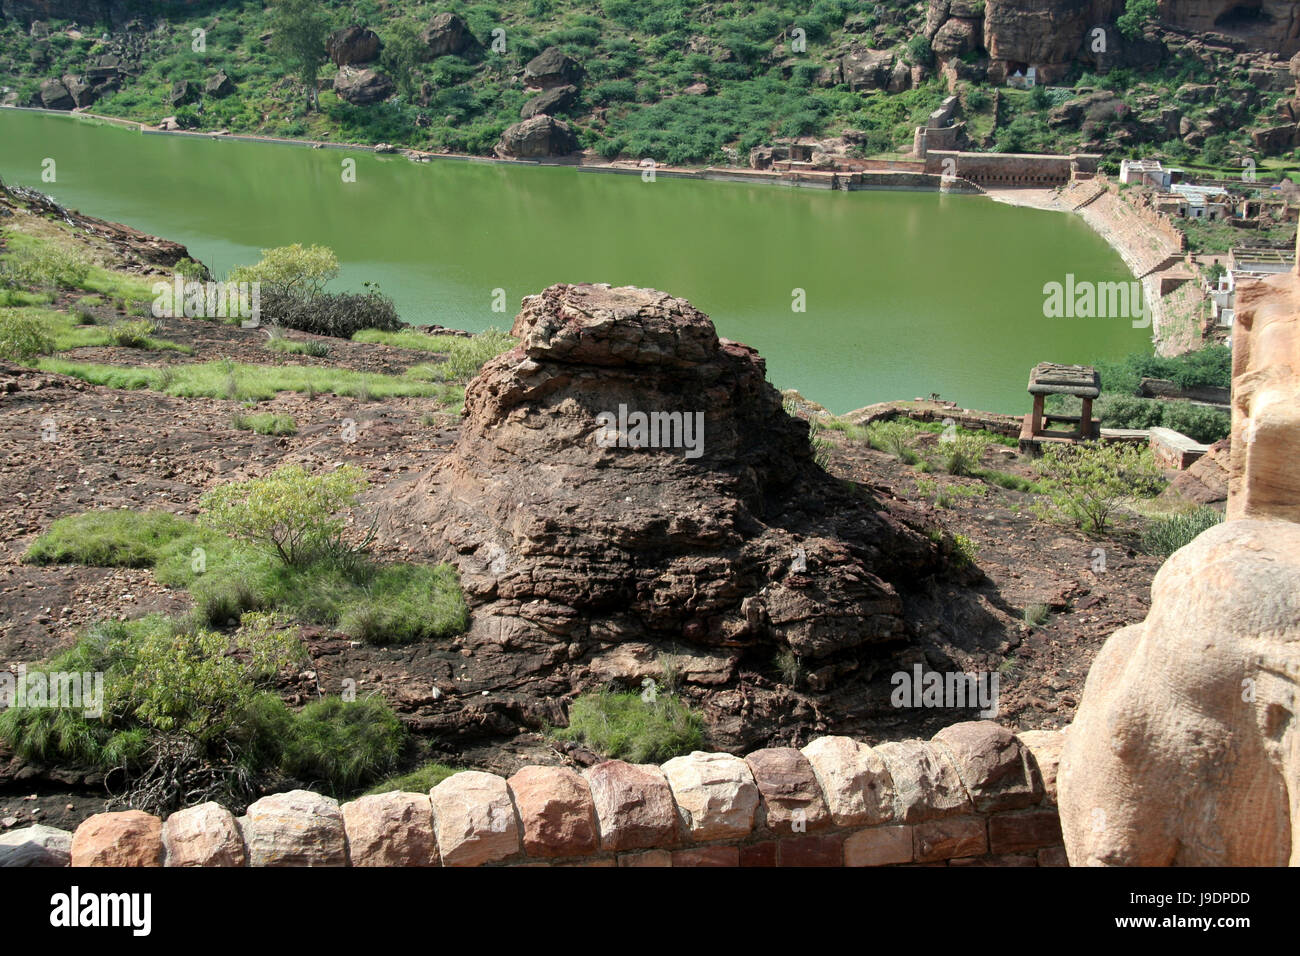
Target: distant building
(1145, 172)
(1023, 81)
(1202, 202)
(1246, 264)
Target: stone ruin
(736, 542)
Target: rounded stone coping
(812, 806)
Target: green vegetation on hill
(639, 59)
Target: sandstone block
(854, 781)
(128, 838)
(708, 856)
(792, 799)
(37, 845)
(948, 838)
(634, 805)
(879, 846)
(825, 849)
(298, 828)
(205, 835)
(1044, 747)
(557, 812)
(390, 829)
(992, 765)
(1026, 830)
(474, 819)
(715, 794)
(647, 858)
(925, 781)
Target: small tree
(291, 513)
(1088, 482)
(402, 54)
(292, 270)
(300, 30)
(1136, 15)
(23, 337)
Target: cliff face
(1269, 25)
(1052, 34)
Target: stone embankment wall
(1009, 169)
(1008, 425)
(974, 795)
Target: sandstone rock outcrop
(447, 34)
(363, 87)
(353, 45)
(1185, 749)
(552, 67)
(552, 101)
(539, 137)
(1263, 479)
(715, 529)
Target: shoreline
(1129, 249)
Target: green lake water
(906, 293)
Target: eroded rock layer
(732, 536)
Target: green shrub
(292, 271)
(623, 726)
(964, 551)
(122, 538)
(312, 348)
(1036, 615)
(265, 424)
(290, 512)
(132, 335)
(336, 314)
(1086, 483)
(960, 454)
(465, 355)
(1167, 534)
(343, 744)
(405, 603)
(43, 265)
(183, 710)
(23, 337)
(894, 437)
(421, 780)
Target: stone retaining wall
(974, 795)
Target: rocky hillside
(1201, 83)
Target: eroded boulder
(1185, 750)
(539, 137)
(669, 496)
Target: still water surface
(906, 293)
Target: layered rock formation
(569, 522)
